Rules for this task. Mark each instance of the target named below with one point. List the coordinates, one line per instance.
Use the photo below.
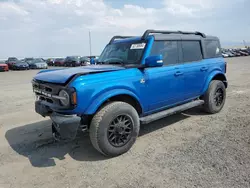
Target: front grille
(45, 91)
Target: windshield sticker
(217, 50)
(138, 46)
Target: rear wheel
(215, 97)
(114, 128)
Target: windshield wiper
(115, 63)
(110, 63)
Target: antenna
(90, 52)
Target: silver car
(38, 64)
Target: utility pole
(90, 52)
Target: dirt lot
(185, 150)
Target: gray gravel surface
(191, 149)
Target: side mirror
(154, 61)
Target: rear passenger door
(193, 67)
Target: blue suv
(135, 81)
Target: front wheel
(215, 97)
(114, 128)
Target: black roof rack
(119, 37)
(149, 31)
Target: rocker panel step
(171, 111)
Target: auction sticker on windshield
(138, 46)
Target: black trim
(147, 32)
(119, 37)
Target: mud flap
(64, 127)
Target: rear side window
(191, 51)
(212, 48)
(168, 50)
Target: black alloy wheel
(120, 130)
(218, 97)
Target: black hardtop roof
(183, 37)
(170, 35)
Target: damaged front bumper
(64, 127)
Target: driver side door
(164, 84)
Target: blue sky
(60, 27)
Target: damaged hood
(61, 76)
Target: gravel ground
(191, 149)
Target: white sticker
(138, 46)
(217, 50)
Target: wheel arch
(220, 77)
(217, 75)
(117, 95)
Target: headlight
(64, 98)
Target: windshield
(28, 59)
(12, 59)
(37, 61)
(84, 59)
(123, 52)
(59, 59)
(72, 58)
(20, 62)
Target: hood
(63, 75)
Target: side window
(212, 48)
(191, 51)
(168, 50)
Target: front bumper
(2, 69)
(64, 127)
(42, 67)
(21, 68)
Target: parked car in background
(11, 61)
(20, 65)
(85, 60)
(38, 63)
(235, 53)
(225, 55)
(27, 59)
(59, 62)
(72, 61)
(229, 54)
(50, 62)
(243, 53)
(4, 67)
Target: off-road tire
(100, 124)
(210, 104)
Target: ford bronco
(136, 80)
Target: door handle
(178, 73)
(204, 68)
